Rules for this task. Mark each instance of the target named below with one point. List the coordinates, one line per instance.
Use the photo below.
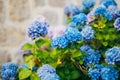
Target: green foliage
(24, 73)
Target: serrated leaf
(31, 64)
(105, 43)
(27, 46)
(34, 76)
(28, 58)
(24, 73)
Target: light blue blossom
(73, 35)
(59, 42)
(117, 23)
(113, 55)
(87, 33)
(85, 48)
(71, 9)
(88, 3)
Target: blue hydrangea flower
(59, 42)
(117, 24)
(88, 3)
(73, 35)
(9, 71)
(95, 73)
(118, 12)
(113, 55)
(108, 3)
(85, 48)
(109, 73)
(103, 11)
(92, 57)
(51, 77)
(37, 29)
(79, 19)
(71, 9)
(45, 70)
(87, 33)
(113, 11)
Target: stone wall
(16, 15)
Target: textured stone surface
(39, 2)
(18, 10)
(4, 56)
(1, 11)
(58, 3)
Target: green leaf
(27, 46)
(75, 75)
(34, 76)
(39, 43)
(28, 58)
(31, 64)
(105, 43)
(77, 54)
(24, 73)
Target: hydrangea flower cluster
(47, 72)
(113, 55)
(88, 3)
(85, 48)
(92, 57)
(79, 19)
(100, 72)
(38, 29)
(107, 3)
(9, 71)
(113, 10)
(59, 42)
(87, 33)
(109, 73)
(71, 9)
(94, 73)
(117, 24)
(73, 35)
(101, 10)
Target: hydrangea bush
(88, 48)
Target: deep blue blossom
(103, 11)
(37, 29)
(87, 33)
(71, 9)
(79, 19)
(59, 42)
(113, 55)
(92, 57)
(85, 48)
(117, 24)
(88, 3)
(9, 71)
(109, 73)
(95, 73)
(108, 3)
(73, 35)
(47, 71)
